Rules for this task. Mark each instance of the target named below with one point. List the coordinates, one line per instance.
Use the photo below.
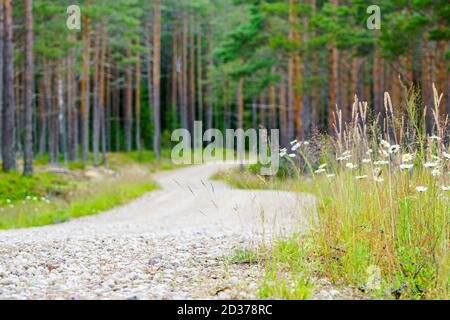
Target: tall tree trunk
(283, 114)
(272, 102)
(262, 109)
(209, 101)
(42, 118)
(138, 101)
(295, 36)
(85, 91)
(316, 107)
(96, 100)
(28, 82)
(72, 139)
(240, 103)
(128, 103)
(333, 79)
(192, 116)
(107, 120)
(174, 87)
(8, 127)
(148, 45)
(1, 73)
(443, 83)
(199, 72)
(156, 78)
(102, 123)
(185, 71)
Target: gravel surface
(169, 244)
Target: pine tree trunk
(262, 109)
(156, 78)
(96, 100)
(185, 72)
(85, 91)
(128, 103)
(42, 119)
(8, 127)
(443, 84)
(333, 79)
(283, 114)
(1, 73)
(272, 102)
(101, 119)
(209, 101)
(138, 101)
(192, 116)
(28, 82)
(199, 72)
(148, 45)
(240, 103)
(174, 87)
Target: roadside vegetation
(382, 206)
(56, 194)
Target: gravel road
(168, 244)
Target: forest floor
(174, 243)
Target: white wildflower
(385, 144)
(421, 189)
(346, 153)
(292, 155)
(296, 146)
(446, 155)
(430, 164)
(351, 165)
(366, 160)
(405, 166)
(394, 148)
(323, 166)
(381, 162)
(343, 158)
(378, 179)
(407, 157)
(294, 142)
(361, 177)
(445, 188)
(331, 175)
(434, 138)
(319, 171)
(436, 172)
(306, 143)
(369, 152)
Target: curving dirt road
(168, 244)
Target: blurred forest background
(138, 69)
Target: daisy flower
(430, 164)
(407, 157)
(381, 162)
(394, 148)
(436, 172)
(421, 189)
(351, 165)
(404, 166)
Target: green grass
(49, 198)
(363, 225)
